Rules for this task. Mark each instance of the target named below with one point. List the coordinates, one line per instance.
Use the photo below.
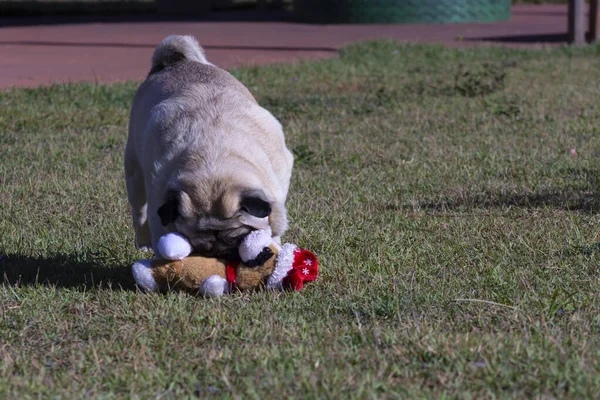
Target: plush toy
(264, 264)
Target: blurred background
(48, 41)
(381, 11)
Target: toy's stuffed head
(264, 264)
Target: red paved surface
(115, 51)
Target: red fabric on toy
(230, 273)
(304, 269)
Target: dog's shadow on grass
(66, 271)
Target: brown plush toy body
(264, 264)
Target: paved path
(39, 53)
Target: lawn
(458, 234)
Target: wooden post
(576, 21)
(594, 21)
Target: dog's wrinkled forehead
(215, 215)
(223, 242)
(225, 210)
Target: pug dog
(202, 157)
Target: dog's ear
(169, 211)
(254, 203)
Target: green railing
(401, 11)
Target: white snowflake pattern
(305, 271)
(308, 262)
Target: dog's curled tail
(176, 48)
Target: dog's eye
(255, 206)
(169, 211)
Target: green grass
(459, 239)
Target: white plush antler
(174, 246)
(143, 277)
